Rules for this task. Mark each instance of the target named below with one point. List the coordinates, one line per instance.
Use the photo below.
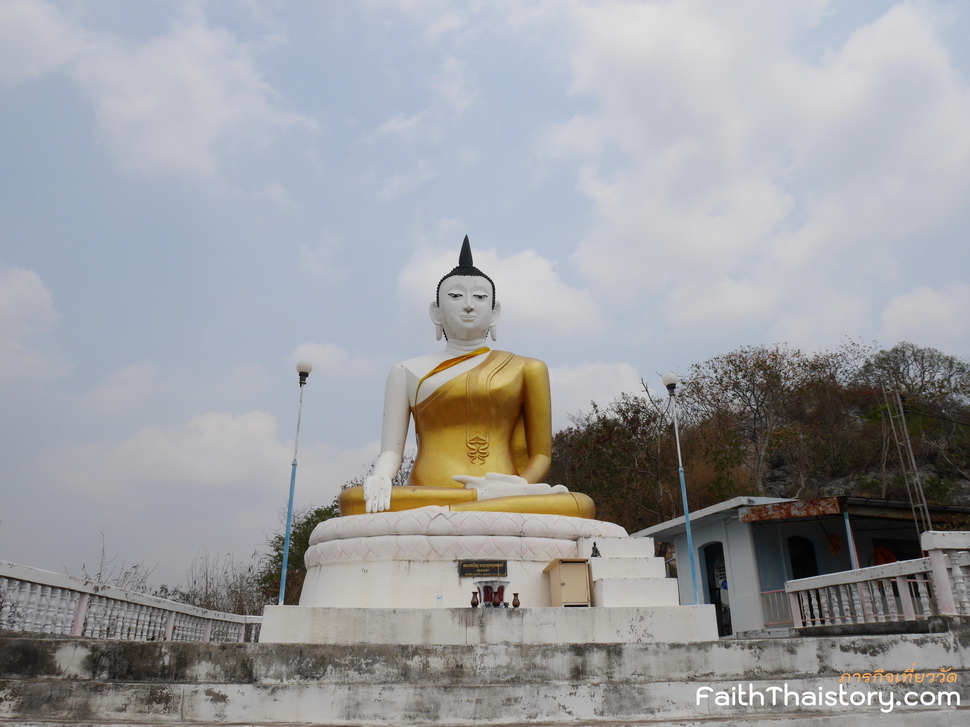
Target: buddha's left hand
(495, 484)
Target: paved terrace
(110, 658)
(57, 680)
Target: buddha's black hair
(465, 267)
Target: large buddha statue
(482, 418)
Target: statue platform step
(640, 593)
(601, 568)
(475, 626)
(616, 547)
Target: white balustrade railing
(50, 603)
(909, 590)
(776, 609)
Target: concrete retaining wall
(43, 680)
(473, 626)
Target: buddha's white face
(464, 307)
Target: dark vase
(474, 599)
(497, 599)
(515, 600)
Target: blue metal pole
(289, 508)
(289, 527)
(683, 495)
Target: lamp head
(303, 368)
(670, 381)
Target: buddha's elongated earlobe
(439, 328)
(493, 321)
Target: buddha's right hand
(495, 485)
(377, 493)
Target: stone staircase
(625, 572)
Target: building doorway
(801, 556)
(716, 585)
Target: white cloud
(219, 481)
(218, 451)
(404, 126)
(277, 194)
(732, 179)
(824, 319)
(26, 311)
(937, 317)
(674, 96)
(35, 39)
(882, 139)
(125, 389)
(438, 18)
(25, 303)
(215, 450)
(575, 386)
(333, 361)
(318, 259)
(452, 87)
(533, 296)
(401, 183)
(724, 302)
(452, 93)
(174, 104)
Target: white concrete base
(416, 584)
(410, 559)
(393, 578)
(601, 568)
(634, 592)
(474, 626)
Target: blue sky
(197, 194)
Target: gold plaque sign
(483, 568)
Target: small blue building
(748, 547)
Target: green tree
(751, 393)
(622, 457)
(821, 436)
(304, 521)
(221, 583)
(934, 390)
(920, 374)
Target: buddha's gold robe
(495, 417)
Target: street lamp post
(303, 368)
(670, 381)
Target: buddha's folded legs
(405, 498)
(572, 504)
